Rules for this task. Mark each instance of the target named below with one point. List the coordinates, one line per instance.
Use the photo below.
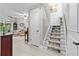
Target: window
(5, 25)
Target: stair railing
(45, 42)
(65, 24)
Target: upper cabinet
(78, 16)
(72, 17)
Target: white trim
(46, 37)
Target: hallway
(22, 49)
(49, 29)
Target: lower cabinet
(72, 49)
(6, 45)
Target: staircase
(56, 38)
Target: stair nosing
(57, 48)
(54, 41)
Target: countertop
(9, 33)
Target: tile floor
(22, 49)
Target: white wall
(54, 19)
(45, 22)
(19, 21)
(66, 11)
(70, 12)
(55, 16)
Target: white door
(35, 27)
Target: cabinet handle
(37, 30)
(75, 43)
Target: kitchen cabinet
(6, 45)
(73, 17)
(72, 48)
(78, 16)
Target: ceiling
(13, 9)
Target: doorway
(35, 27)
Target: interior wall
(55, 16)
(25, 22)
(46, 20)
(65, 9)
(70, 14)
(54, 19)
